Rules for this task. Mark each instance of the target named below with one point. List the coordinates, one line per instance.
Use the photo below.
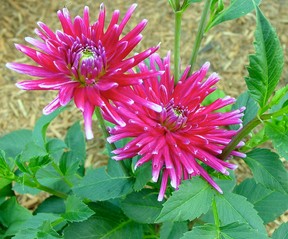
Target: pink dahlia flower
(186, 135)
(86, 63)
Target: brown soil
(226, 47)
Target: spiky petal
(185, 135)
(85, 62)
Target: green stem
(52, 191)
(177, 42)
(216, 217)
(199, 35)
(247, 129)
(242, 133)
(106, 135)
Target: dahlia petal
(163, 185)
(48, 32)
(29, 69)
(87, 115)
(52, 106)
(147, 103)
(65, 21)
(127, 17)
(66, 94)
(39, 44)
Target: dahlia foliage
(185, 135)
(85, 62)
(167, 132)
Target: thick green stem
(106, 135)
(177, 42)
(52, 191)
(33, 183)
(247, 129)
(236, 140)
(216, 217)
(199, 35)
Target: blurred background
(226, 47)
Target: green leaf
(207, 231)
(268, 169)
(269, 204)
(13, 215)
(281, 232)
(279, 99)
(193, 198)
(232, 208)
(50, 177)
(32, 150)
(245, 100)
(52, 204)
(108, 223)
(39, 132)
(225, 182)
(171, 230)
(6, 169)
(76, 155)
(231, 231)
(241, 231)
(35, 225)
(142, 175)
(55, 148)
(266, 65)
(97, 185)
(277, 131)
(45, 231)
(236, 9)
(76, 210)
(142, 206)
(14, 142)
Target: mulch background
(226, 47)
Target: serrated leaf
(279, 99)
(232, 208)
(143, 175)
(13, 216)
(73, 160)
(277, 131)
(39, 131)
(142, 206)
(268, 169)
(14, 142)
(207, 231)
(269, 204)
(32, 150)
(240, 231)
(36, 221)
(266, 65)
(50, 177)
(76, 210)
(97, 185)
(236, 9)
(171, 230)
(38, 226)
(245, 100)
(52, 204)
(55, 148)
(193, 198)
(108, 223)
(281, 232)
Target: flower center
(88, 62)
(174, 117)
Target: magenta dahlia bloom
(186, 135)
(86, 62)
